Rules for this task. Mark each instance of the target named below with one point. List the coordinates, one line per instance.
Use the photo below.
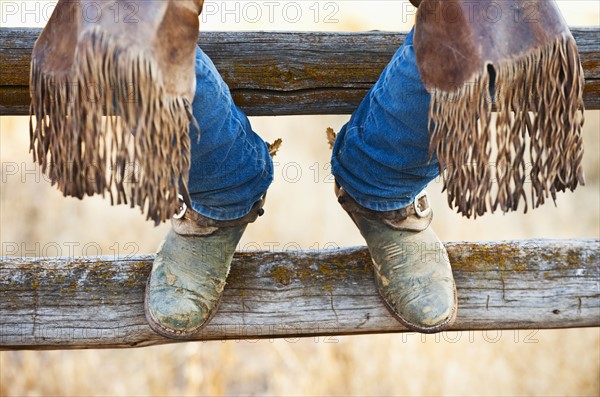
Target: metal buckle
(182, 208)
(421, 213)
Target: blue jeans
(231, 167)
(381, 156)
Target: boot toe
(175, 311)
(429, 312)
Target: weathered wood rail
(98, 302)
(281, 73)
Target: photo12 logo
(254, 12)
(69, 250)
(39, 12)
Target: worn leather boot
(411, 266)
(190, 269)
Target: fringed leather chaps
(520, 57)
(111, 89)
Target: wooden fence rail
(62, 303)
(281, 73)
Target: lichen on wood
(98, 302)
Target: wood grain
(281, 73)
(61, 303)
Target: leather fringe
(110, 127)
(537, 141)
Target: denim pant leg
(381, 156)
(231, 167)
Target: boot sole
(413, 327)
(169, 333)
(426, 330)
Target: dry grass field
(301, 211)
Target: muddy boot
(190, 269)
(411, 266)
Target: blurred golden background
(301, 212)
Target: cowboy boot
(411, 266)
(190, 269)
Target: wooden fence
(98, 302)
